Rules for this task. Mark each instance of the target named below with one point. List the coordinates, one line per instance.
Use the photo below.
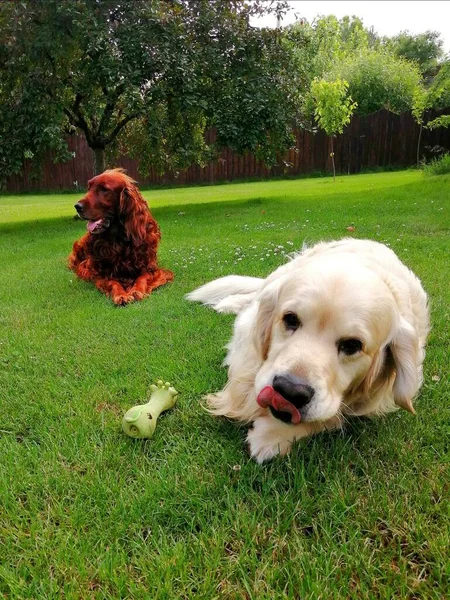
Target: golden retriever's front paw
(268, 438)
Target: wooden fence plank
(378, 140)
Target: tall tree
(151, 75)
(424, 49)
(378, 79)
(381, 72)
(319, 45)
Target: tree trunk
(418, 145)
(99, 164)
(332, 158)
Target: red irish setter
(118, 253)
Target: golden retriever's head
(332, 337)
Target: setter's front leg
(83, 269)
(145, 284)
(113, 288)
(139, 289)
(78, 254)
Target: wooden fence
(382, 139)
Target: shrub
(438, 166)
(377, 80)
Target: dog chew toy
(140, 421)
(270, 398)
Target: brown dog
(118, 253)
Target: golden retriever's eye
(349, 346)
(101, 188)
(291, 321)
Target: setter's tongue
(92, 225)
(269, 397)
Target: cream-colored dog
(339, 330)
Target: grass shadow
(221, 208)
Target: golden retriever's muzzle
(287, 398)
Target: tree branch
(76, 104)
(81, 121)
(77, 119)
(120, 125)
(109, 108)
(69, 115)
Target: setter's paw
(136, 293)
(122, 298)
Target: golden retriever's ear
(264, 319)
(406, 350)
(406, 353)
(377, 382)
(380, 374)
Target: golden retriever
(339, 330)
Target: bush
(438, 166)
(377, 80)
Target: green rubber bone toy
(140, 421)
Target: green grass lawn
(86, 512)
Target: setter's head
(114, 199)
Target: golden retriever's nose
(79, 208)
(294, 389)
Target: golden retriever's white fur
(338, 291)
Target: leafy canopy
(377, 79)
(381, 72)
(436, 96)
(148, 76)
(333, 106)
(424, 49)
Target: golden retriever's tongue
(92, 225)
(269, 397)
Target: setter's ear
(134, 212)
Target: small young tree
(436, 96)
(333, 108)
(421, 102)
